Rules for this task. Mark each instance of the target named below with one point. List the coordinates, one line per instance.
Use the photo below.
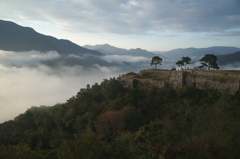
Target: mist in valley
(34, 78)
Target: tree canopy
(180, 63)
(185, 60)
(156, 60)
(209, 61)
(128, 124)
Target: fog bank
(25, 81)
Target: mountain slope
(106, 49)
(17, 38)
(112, 50)
(109, 121)
(138, 53)
(229, 58)
(197, 53)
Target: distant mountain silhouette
(112, 50)
(14, 37)
(106, 49)
(138, 52)
(197, 53)
(233, 58)
(17, 38)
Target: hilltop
(221, 80)
(110, 120)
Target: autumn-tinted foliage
(109, 121)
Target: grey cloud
(227, 33)
(24, 85)
(26, 78)
(27, 81)
(131, 16)
(21, 59)
(124, 58)
(232, 66)
(170, 36)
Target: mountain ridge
(112, 50)
(174, 54)
(233, 58)
(197, 53)
(17, 38)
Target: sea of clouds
(34, 78)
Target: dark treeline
(109, 121)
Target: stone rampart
(201, 79)
(142, 83)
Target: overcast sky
(155, 25)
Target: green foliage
(185, 60)
(156, 60)
(146, 75)
(131, 73)
(112, 89)
(20, 151)
(156, 75)
(86, 146)
(209, 61)
(109, 121)
(179, 63)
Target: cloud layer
(124, 58)
(27, 81)
(34, 78)
(128, 16)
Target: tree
(156, 60)
(109, 124)
(179, 63)
(186, 60)
(85, 145)
(210, 61)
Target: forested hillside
(109, 121)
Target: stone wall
(206, 80)
(201, 79)
(205, 73)
(216, 83)
(176, 79)
(142, 83)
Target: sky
(154, 25)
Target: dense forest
(109, 121)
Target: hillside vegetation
(110, 121)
